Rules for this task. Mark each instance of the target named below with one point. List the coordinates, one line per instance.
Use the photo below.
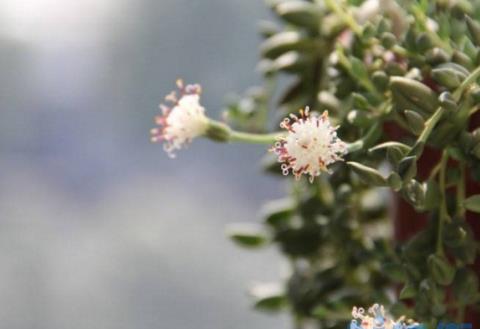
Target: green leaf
(278, 212)
(449, 75)
(395, 181)
(380, 79)
(367, 174)
(415, 193)
(474, 29)
(413, 95)
(247, 235)
(292, 61)
(300, 13)
(465, 286)
(283, 42)
(359, 118)
(388, 40)
(441, 270)
(395, 272)
(473, 203)
(407, 168)
(432, 195)
(403, 148)
(269, 297)
(408, 291)
(358, 68)
(415, 122)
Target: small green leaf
(367, 174)
(380, 79)
(413, 95)
(395, 181)
(474, 29)
(247, 235)
(283, 42)
(449, 75)
(269, 297)
(465, 286)
(388, 40)
(447, 101)
(358, 68)
(291, 61)
(407, 168)
(300, 13)
(441, 270)
(408, 291)
(278, 212)
(473, 203)
(415, 122)
(432, 195)
(395, 272)
(403, 148)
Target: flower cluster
(310, 145)
(182, 121)
(378, 320)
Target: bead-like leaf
(300, 13)
(473, 203)
(368, 174)
(247, 235)
(441, 270)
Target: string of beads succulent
(385, 203)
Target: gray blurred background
(98, 227)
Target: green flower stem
(237, 136)
(221, 132)
(443, 215)
(346, 16)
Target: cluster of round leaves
(398, 93)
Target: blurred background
(98, 227)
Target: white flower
(183, 121)
(310, 145)
(378, 319)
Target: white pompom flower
(181, 122)
(310, 145)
